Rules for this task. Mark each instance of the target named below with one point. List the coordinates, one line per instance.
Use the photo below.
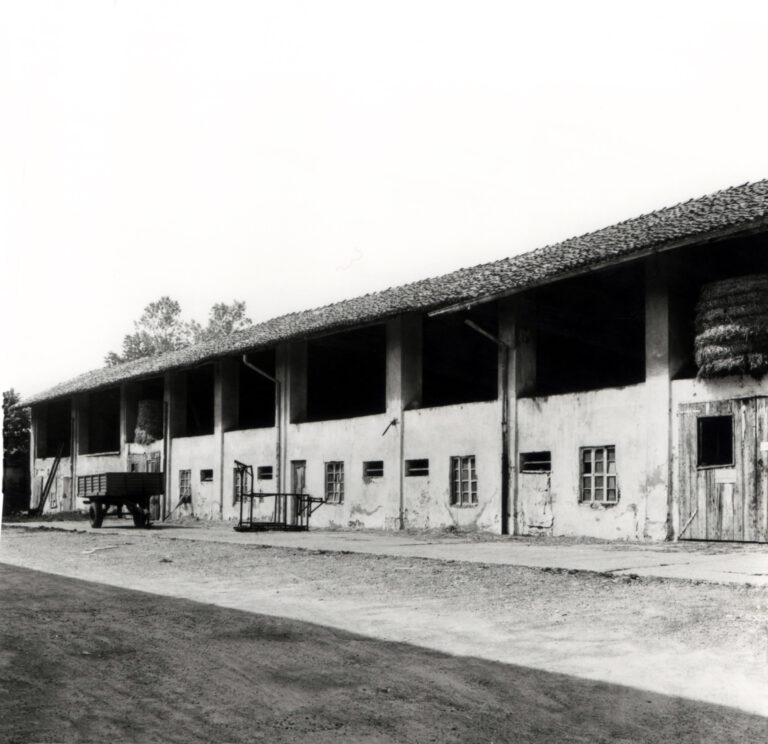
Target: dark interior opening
(256, 402)
(459, 364)
(536, 462)
(54, 428)
(144, 409)
(590, 332)
(715, 441)
(200, 401)
(346, 374)
(103, 422)
(698, 265)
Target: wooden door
(298, 476)
(723, 455)
(298, 486)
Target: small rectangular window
(715, 441)
(206, 475)
(416, 467)
(185, 484)
(535, 462)
(334, 482)
(598, 475)
(264, 472)
(373, 469)
(463, 481)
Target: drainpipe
(278, 419)
(504, 347)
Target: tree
(224, 319)
(15, 428)
(161, 328)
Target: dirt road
(702, 642)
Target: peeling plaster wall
(439, 434)
(195, 454)
(564, 423)
(703, 391)
(366, 504)
(256, 447)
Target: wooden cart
(118, 491)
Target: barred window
(185, 483)
(598, 475)
(264, 472)
(463, 481)
(334, 482)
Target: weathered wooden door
(298, 476)
(723, 455)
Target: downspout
(504, 347)
(278, 419)
(72, 450)
(166, 462)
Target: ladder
(38, 510)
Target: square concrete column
(403, 391)
(295, 382)
(126, 433)
(174, 422)
(404, 363)
(663, 358)
(225, 390)
(80, 403)
(517, 376)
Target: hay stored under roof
(732, 327)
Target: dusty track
(703, 642)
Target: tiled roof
(725, 211)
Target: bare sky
(291, 154)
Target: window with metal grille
(185, 484)
(373, 469)
(535, 462)
(334, 482)
(264, 472)
(598, 475)
(463, 481)
(416, 467)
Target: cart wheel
(96, 514)
(139, 519)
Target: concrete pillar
(222, 372)
(662, 360)
(297, 381)
(283, 407)
(403, 391)
(174, 398)
(124, 435)
(517, 377)
(80, 403)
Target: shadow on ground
(82, 661)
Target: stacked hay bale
(732, 327)
(149, 422)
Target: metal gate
(723, 483)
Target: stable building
(610, 386)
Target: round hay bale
(149, 421)
(732, 327)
